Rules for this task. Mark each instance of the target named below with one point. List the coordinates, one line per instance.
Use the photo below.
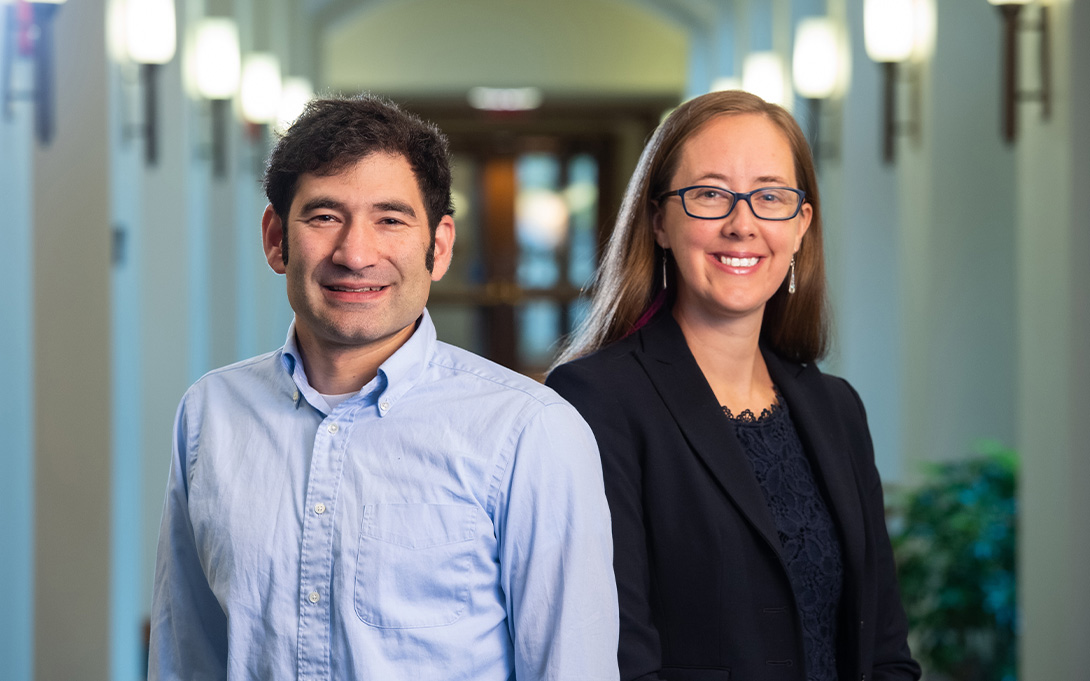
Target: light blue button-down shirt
(447, 522)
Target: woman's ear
(661, 237)
(805, 215)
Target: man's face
(356, 274)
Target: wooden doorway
(536, 194)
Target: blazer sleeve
(640, 652)
(892, 660)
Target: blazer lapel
(675, 374)
(825, 437)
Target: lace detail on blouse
(807, 535)
(747, 415)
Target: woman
(748, 524)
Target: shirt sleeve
(188, 626)
(556, 552)
(640, 649)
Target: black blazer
(704, 592)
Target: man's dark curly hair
(335, 133)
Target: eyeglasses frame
(738, 196)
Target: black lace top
(808, 538)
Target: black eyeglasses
(713, 203)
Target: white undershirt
(334, 400)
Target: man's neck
(335, 369)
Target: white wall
(16, 387)
(1053, 321)
(72, 369)
(583, 46)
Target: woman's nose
(741, 223)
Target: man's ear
(272, 239)
(444, 247)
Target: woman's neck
(728, 354)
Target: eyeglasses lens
(770, 203)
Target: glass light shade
(888, 29)
(260, 91)
(815, 63)
(762, 74)
(726, 83)
(216, 62)
(150, 31)
(541, 218)
(505, 99)
(293, 99)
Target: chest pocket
(412, 568)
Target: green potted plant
(954, 543)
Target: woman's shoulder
(609, 358)
(809, 382)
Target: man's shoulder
(478, 374)
(242, 375)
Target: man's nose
(356, 247)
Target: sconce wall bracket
(1012, 94)
(30, 31)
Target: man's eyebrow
(321, 203)
(394, 206)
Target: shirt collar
(396, 376)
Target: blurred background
(953, 150)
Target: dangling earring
(791, 283)
(664, 252)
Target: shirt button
(295, 396)
(385, 406)
(332, 428)
(314, 597)
(319, 508)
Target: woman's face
(730, 267)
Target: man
(368, 502)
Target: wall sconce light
(816, 67)
(150, 40)
(293, 99)
(217, 67)
(726, 83)
(30, 34)
(763, 75)
(889, 37)
(1010, 11)
(261, 88)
